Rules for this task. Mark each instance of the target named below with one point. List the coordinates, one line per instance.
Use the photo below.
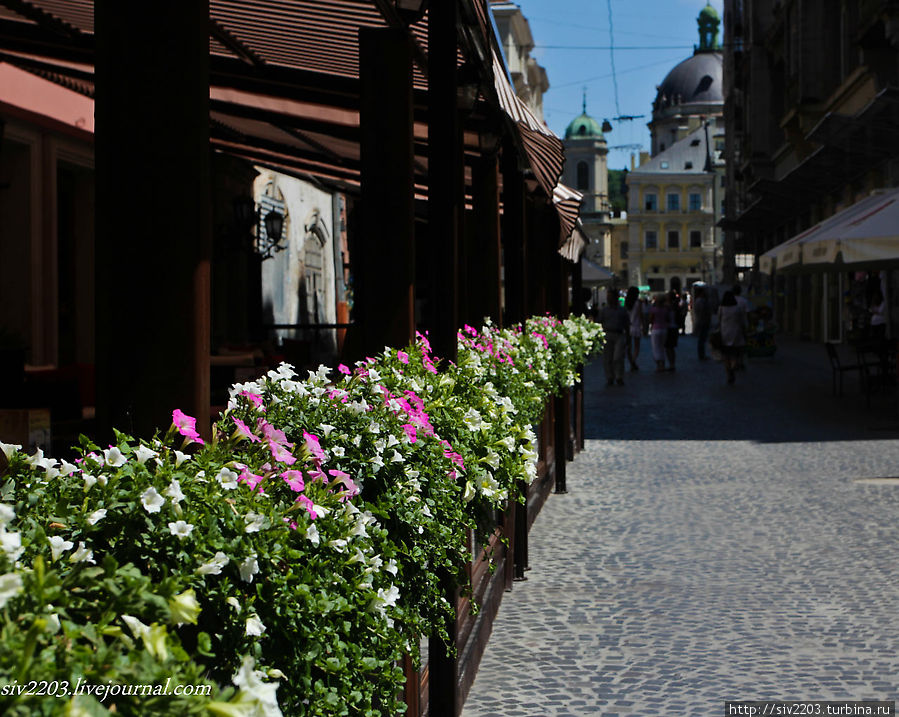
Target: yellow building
(674, 204)
(675, 196)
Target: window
(674, 240)
(695, 239)
(623, 249)
(663, 164)
(651, 240)
(656, 284)
(695, 201)
(583, 175)
(688, 165)
(673, 202)
(650, 202)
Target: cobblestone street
(717, 543)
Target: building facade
(811, 112)
(528, 77)
(675, 195)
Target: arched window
(583, 175)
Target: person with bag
(634, 308)
(616, 324)
(702, 320)
(732, 325)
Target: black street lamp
(268, 243)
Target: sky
(572, 39)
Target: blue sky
(663, 33)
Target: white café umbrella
(866, 232)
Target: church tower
(586, 169)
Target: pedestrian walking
(673, 328)
(702, 320)
(743, 303)
(732, 323)
(634, 308)
(615, 323)
(659, 322)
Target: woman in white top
(732, 324)
(635, 313)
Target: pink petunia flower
(343, 368)
(402, 356)
(294, 479)
(251, 479)
(254, 398)
(279, 453)
(308, 505)
(313, 446)
(410, 432)
(273, 434)
(244, 430)
(429, 365)
(186, 425)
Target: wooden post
(510, 533)
(385, 283)
(513, 236)
(484, 259)
(521, 539)
(153, 215)
(560, 439)
(445, 174)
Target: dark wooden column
(513, 235)
(445, 197)
(445, 173)
(484, 258)
(153, 214)
(385, 279)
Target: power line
(623, 72)
(613, 47)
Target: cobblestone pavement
(715, 544)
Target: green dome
(709, 12)
(583, 127)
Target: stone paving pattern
(714, 545)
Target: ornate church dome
(698, 79)
(584, 126)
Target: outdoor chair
(839, 368)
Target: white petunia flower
(397, 457)
(143, 454)
(255, 696)
(89, 481)
(10, 586)
(138, 629)
(374, 427)
(11, 544)
(174, 491)
(96, 516)
(151, 500)
(338, 544)
(58, 546)
(180, 529)
(338, 451)
(9, 448)
(227, 478)
(82, 554)
(67, 468)
(248, 568)
(253, 522)
(326, 428)
(254, 626)
(391, 567)
(180, 458)
(7, 513)
(214, 566)
(114, 457)
(312, 534)
(234, 602)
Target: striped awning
(545, 156)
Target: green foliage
(315, 536)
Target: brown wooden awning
(284, 82)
